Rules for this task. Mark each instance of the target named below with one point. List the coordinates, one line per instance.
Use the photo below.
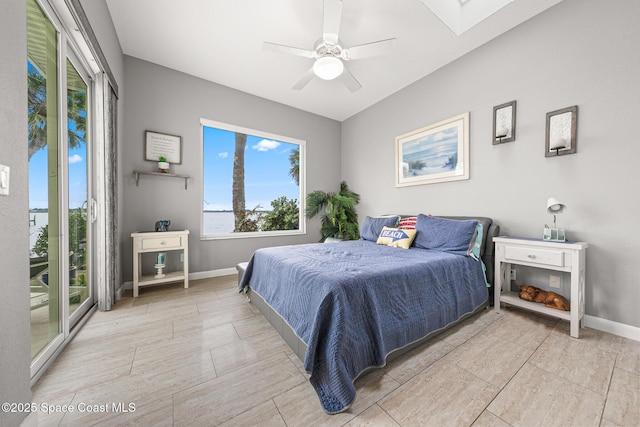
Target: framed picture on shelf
(435, 153)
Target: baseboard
(192, 276)
(213, 273)
(121, 289)
(612, 327)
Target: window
(253, 182)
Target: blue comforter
(354, 302)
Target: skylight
(462, 15)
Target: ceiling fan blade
(280, 48)
(331, 20)
(306, 78)
(378, 48)
(349, 80)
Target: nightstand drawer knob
(531, 256)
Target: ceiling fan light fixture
(328, 67)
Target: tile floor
(203, 356)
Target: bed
(349, 306)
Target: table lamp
(554, 233)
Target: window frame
(71, 47)
(302, 224)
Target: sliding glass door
(60, 183)
(79, 206)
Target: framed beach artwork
(435, 153)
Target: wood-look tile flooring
(204, 356)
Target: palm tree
(340, 219)
(294, 159)
(239, 209)
(37, 110)
(77, 113)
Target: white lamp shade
(554, 206)
(328, 67)
(501, 132)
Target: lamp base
(554, 235)
(160, 273)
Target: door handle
(94, 210)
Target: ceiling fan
(329, 53)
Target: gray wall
(580, 52)
(97, 12)
(168, 101)
(15, 347)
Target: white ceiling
(221, 41)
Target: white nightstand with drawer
(558, 256)
(160, 241)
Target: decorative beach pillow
(371, 227)
(396, 237)
(445, 235)
(408, 223)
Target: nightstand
(558, 256)
(159, 241)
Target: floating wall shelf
(138, 173)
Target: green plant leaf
(340, 218)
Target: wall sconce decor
(504, 123)
(562, 132)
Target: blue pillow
(445, 235)
(371, 227)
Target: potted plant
(163, 165)
(340, 219)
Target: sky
(266, 170)
(39, 171)
(38, 176)
(434, 150)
